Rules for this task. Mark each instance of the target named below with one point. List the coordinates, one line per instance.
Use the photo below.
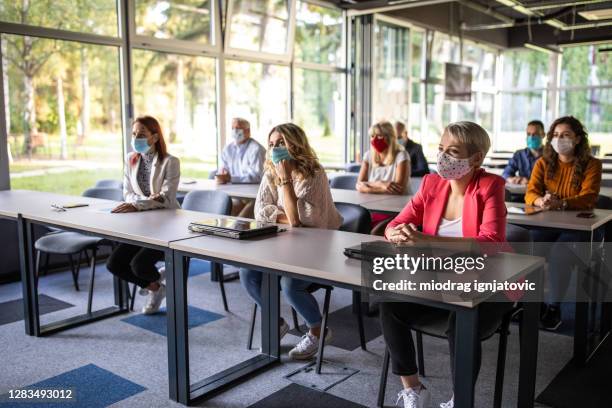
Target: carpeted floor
(122, 361)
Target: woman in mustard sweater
(567, 177)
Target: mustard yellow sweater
(582, 198)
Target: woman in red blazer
(462, 204)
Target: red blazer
(484, 209)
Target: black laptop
(235, 229)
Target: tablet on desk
(236, 229)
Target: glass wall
(63, 113)
(69, 104)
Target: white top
(387, 173)
(314, 201)
(164, 180)
(450, 228)
(244, 162)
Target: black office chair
(73, 243)
(437, 329)
(109, 183)
(353, 167)
(515, 235)
(344, 181)
(214, 202)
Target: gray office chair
(344, 181)
(214, 202)
(73, 243)
(353, 167)
(109, 183)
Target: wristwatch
(564, 204)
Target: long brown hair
(582, 151)
(306, 161)
(154, 127)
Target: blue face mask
(238, 135)
(141, 145)
(279, 154)
(534, 142)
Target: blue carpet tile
(157, 323)
(198, 267)
(92, 387)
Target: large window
(183, 99)
(586, 65)
(189, 20)
(392, 72)
(259, 93)
(261, 25)
(63, 113)
(318, 34)
(91, 16)
(320, 112)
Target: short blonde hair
(386, 129)
(470, 134)
(242, 123)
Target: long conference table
(320, 259)
(584, 345)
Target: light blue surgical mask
(141, 145)
(534, 142)
(238, 135)
(280, 153)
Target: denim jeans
(294, 290)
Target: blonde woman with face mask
(295, 191)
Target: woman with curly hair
(567, 177)
(294, 190)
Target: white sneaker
(449, 404)
(155, 300)
(307, 347)
(414, 399)
(162, 278)
(283, 329)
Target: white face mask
(238, 135)
(562, 146)
(451, 168)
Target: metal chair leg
(219, 271)
(252, 328)
(296, 323)
(75, 277)
(46, 268)
(421, 359)
(383, 379)
(323, 330)
(362, 340)
(37, 267)
(91, 281)
(133, 297)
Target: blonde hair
(470, 134)
(386, 129)
(306, 161)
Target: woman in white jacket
(150, 182)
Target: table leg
(28, 279)
(529, 341)
(170, 314)
(181, 335)
(270, 315)
(466, 342)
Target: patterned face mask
(451, 168)
(562, 146)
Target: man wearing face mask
(242, 160)
(523, 160)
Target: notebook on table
(235, 229)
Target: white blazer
(164, 180)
